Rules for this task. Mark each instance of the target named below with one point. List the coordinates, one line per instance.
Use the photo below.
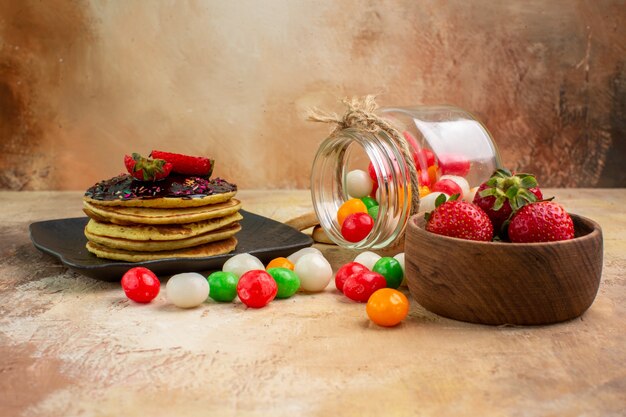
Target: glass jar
(443, 140)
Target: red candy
(347, 270)
(361, 285)
(357, 226)
(140, 285)
(447, 186)
(256, 288)
(454, 164)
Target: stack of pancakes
(132, 221)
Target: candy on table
(367, 259)
(187, 290)
(361, 285)
(242, 263)
(223, 286)
(287, 281)
(357, 226)
(460, 181)
(314, 272)
(256, 288)
(293, 258)
(391, 269)
(280, 263)
(345, 271)
(387, 307)
(358, 184)
(427, 204)
(140, 285)
(352, 206)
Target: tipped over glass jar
(451, 152)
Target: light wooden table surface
(71, 345)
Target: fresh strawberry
(543, 221)
(459, 219)
(185, 164)
(146, 169)
(504, 193)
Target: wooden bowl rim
(417, 222)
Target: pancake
(134, 215)
(208, 249)
(174, 191)
(145, 232)
(161, 245)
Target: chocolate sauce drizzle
(125, 187)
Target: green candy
(391, 269)
(286, 280)
(369, 202)
(373, 211)
(223, 286)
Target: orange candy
(432, 173)
(280, 263)
(351, 206)
(387, 307)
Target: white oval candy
(358, 183)
(293, 258)
(427, 203)
(187, 290)
(367, 259)
(460, 181)
(314, 272)
(470, 196)
(242, 263)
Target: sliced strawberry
(185, 164)
(543, 221)
(459, 219)
(146, 169)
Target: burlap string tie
(360, 115)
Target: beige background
(83, 83)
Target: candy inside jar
(361, 177)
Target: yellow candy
(351, 206)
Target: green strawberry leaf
(454, 197)
(512, 192)
(441, 198)
(528, 181)
(497, 205)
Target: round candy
(372, 172)
(367, 259)
(400, 258)
(460, 181)
(242, 263)
(361, 285)
(369, 202)
(387, 307)
(345, 271)
(358, 183)
(187, 290)
(140, 285)
(223, 286)
(256, 288)
(373, 212)
(357, 226)
(287, 281)
(314, 272)
(293, 258)
(280, 263)
(351, 206)
(454, 164)
(447, 186)
(427, 204)
(391, 269)
(469, 197)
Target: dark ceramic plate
(265, 238)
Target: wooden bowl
(504, 283)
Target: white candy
(427, 203)
(367, 259)
(242, 263)
(358, 183)
(293, 258)
(187, 290)
(400, 258)
(314, 272)
(460, 181)
(470, 196)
